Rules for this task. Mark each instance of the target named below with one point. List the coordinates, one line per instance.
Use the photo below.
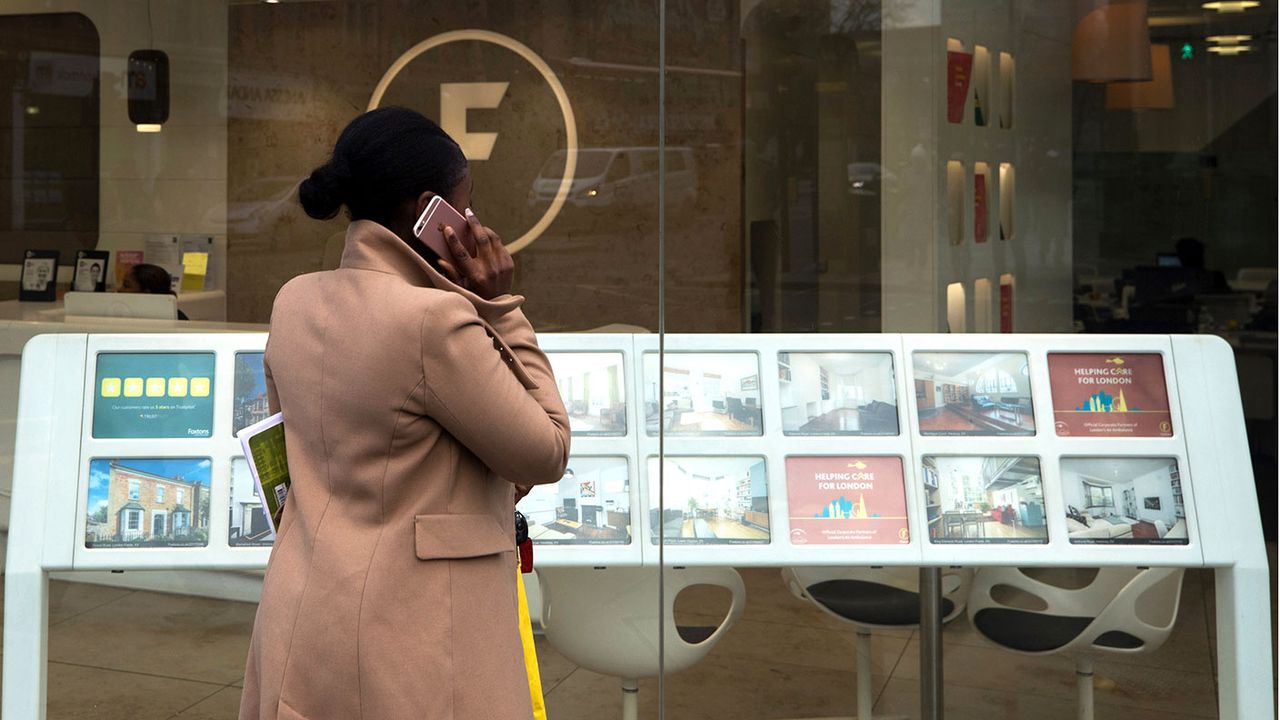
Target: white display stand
(55, 447)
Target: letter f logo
(455, 100)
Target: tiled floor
(130, 655)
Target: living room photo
(591, 505)
(837, 394)
(973, 394)
(977, 499)
(704, 394)
(710, 500)
(591, 386)
(1135, 501)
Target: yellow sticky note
(155, 387)
(200, 387)
(177, 387)
(195, 266)
(110, 387)
(133, 387)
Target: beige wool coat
(410, 406)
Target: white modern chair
(871, 598)
(606, 620)
(1078, 612)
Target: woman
(417, 405)
(151, 280)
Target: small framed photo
(39, 276)
(91, 271)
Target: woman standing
(417, 405)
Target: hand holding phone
(429, 228)
(487, 271)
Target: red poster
(847, 501)
(1006, 307)
(980, 207)
(1109, 395)
(959, 67)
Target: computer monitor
(121, 305)
(1168, 260)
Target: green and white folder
(263, 444)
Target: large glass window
(732, 223)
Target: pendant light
(1111, 42)
(148, 85)
(1153, 94)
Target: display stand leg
(1245, 683)
(630, 699)
(931, 643)
(1084, 688)
(26, 635)
(866, 691)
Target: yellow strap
(530, 653)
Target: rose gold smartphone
(427, 228)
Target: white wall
(1156, 484)
(918, 261)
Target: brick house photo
(162, 502)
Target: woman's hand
(489, 273)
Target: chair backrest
(605, 619)
(875, 597)
(1052, 610)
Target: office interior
(813, 182)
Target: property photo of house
(703, 394)
(591, 505)
(148, 502)
(248, 526)
(710, 500)
(250, 390)
(1127, 500)
(837, 394)
(591, 386)
(977, 499)
(973, 394)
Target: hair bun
(323, 194)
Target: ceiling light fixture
(1230, 49)
(1228, 39)
(1111, 42)
(1231, 6)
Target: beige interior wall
(300, 72)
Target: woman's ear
(421, 205)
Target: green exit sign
(1188, 51)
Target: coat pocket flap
(455, 537)
(509, 357)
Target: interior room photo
(590, 505)
(1124, 500)
(591, 385)
(710, 500)
(704, 394)
(973, 394)
(837, 394)
(984, 499)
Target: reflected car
(611, 179)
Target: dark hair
(383, 158)
(152, 279)
(1190, 252)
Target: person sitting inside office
(149, 279)
(1190, 253)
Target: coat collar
(370, 246)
